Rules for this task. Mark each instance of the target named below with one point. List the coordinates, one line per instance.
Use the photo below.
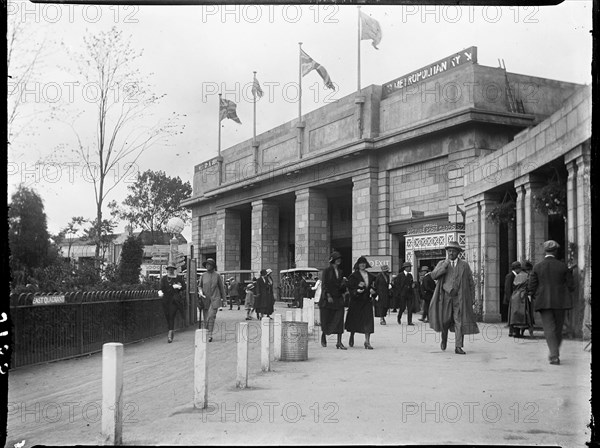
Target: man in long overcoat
(211, 294)
(426, 290)
(383, 288)
(452, 303)
(550, 285)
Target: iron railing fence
(50, 327)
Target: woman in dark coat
(331, 303)
(264, 300)
(360, 311)
(172, 288)
(382, 286)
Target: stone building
(384, 172)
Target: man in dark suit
(508, 288)
(426, 288)
(550, 285)
(403, 285)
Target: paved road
(405, 391)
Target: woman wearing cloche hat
(172, 288)
(361, 286)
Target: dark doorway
(556, 232)
(344, 247)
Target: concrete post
(289, 316)
(265, 361)
(277, 337)
(242, 340)
(201, 369)
(310, 309)
(112, 393)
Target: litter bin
(294, 341)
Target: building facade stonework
(400, 171)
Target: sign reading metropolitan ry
(467, 56)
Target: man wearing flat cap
(515, 268)
(550, 284)
(211, 294)
(452, 303)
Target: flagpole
(358, 46)
(254, 94)
(219, 148)
(300, 81)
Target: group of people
(447, 293)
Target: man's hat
(385, 268)
(209, 261)
(231, 279)
(269, 270)
(334, 256)
(515, 265)
(527, 265)
(424, 268)
(171, 266)
(250, 286)
(551, 246)
(406, 264)
(263, 272)
(453, 245)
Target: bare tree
(123, 105)
(24, 50)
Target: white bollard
(112, 393)
(271, 341)
(201, 369)
(265, 343)
(289, 316)
(277, 337)
(310, 311)
(297, 315)
(242, 340)
(304, 311)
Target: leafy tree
(69, 233)
(102, 236)
(28, 233)
(153, 199)
(132, 255)
(121, 129)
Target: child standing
(249, 301)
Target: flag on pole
(256, 90)
(227, 109)
(308, 64)
(370, 29)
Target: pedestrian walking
(520, 312)
(404, 289)
(383, 287)
(317, 289)
(172, 288)
(331, 301)
(249, 301)
(550, 284)
(360, 310)
(265, 300)
(426, 289)
(234, 291)
(515, 268)
(300, 287)
(452, 302)
(211, 294)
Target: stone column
(490, 247)
(364, 214)
(579, 232)
(228, 235)
(312, 239)
(520, 223)
(264, 249)
(535, 224)
(473, 243)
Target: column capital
(580, 154)
(528, 180)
